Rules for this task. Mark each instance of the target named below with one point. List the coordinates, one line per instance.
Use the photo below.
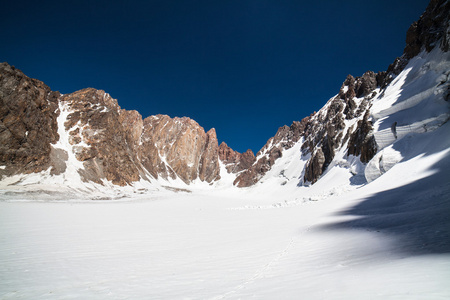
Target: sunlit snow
(364, 231)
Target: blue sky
(242, 67)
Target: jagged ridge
(86, 133)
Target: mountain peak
(431, 28)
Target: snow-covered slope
(376, 230)
(102, 151)
(411, 106)
(389, 239)
(350, 203)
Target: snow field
(375, 231)
(195, 246)
(383, 240)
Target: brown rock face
(325, 134)
(123, 147)
(113, 143)
(179, 147)
(366, 84)
(234, 161)
(432, 27)
(431, 30)
(361, 142)
(323, 137)
(28, 112)
(285, 138)
(103, 136)
(315, 166)
(209, 169)
(118, 145)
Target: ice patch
(382, 162)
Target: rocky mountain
(86, 132)
(28, 124)
(345, 123)
(85, 136)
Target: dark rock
(366, 84)
(431, 28)
(315, 166)
(361, 141)
(284, 139)
(118, 145)
(235, 161)
(96, 120)
(28, 113)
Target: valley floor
(337, 239)
(200, 246)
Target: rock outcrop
(325, 132)
(27, 122)
(284, 139)
(322, 132)
(179, 147)
(234, 161)
(102, 136)
(361, 142)
(431, 28)
(111, 143)
(43, 130)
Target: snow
(415, 94)
(388, 239)
(221, 245)
(73, 164)
(363, 231)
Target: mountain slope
(84, 140)
(370, 112)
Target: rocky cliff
(86, 135)
(89, 132)
(179, 147)
(28, 127)
(345, 122)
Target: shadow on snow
(417, 215)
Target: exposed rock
(103, 136)
(118, 145)
(235, 161)
(284, 139)
(315, 166)
(209, 169)
(366, 84)
(424, 34)
(246, 161)
(361, 141)
(228, 155)
(133, 125)
(113, 144)
(324, 133)
(432, 27)
(27, 122)
(179, 147)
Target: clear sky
(243, 67)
